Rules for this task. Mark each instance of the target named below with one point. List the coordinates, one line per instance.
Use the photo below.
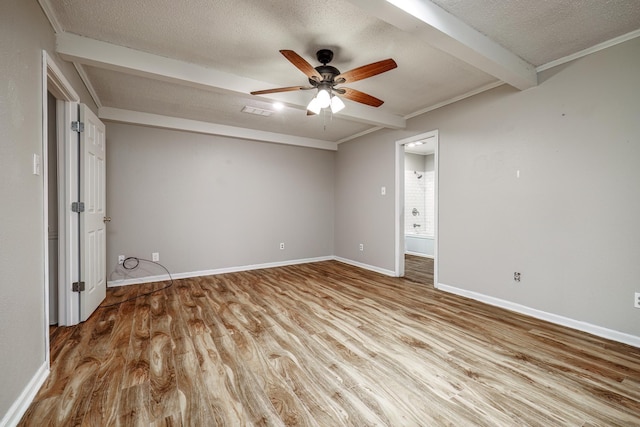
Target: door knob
(106, 219)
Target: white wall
(569, 224)
(205, 202)
(24, 33)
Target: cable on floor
(131, 263)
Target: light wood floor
(327, 344)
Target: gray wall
(419, 162)
(429, 162)
(205, 202)
(414, 162)
(569, 224)
(363, 215)
(24, 33)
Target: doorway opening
(81, 198)
(416, 207)
(58, 97)
(52, 195)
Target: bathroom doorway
(416, 208)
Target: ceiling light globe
(336, 104)
(323, 98)
(314, 106)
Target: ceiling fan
(325, 78)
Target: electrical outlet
(636, 300)
(120, 259)
(361, 246)
(155, 257)
(282, 246)
(516, 276)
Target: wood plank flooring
(418, 269)
(327, 344)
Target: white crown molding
(87, 82)
(593, 49)
(588, 51)
(455, 99)
(359, 134)
(429, 108)
(45, 5)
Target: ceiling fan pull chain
(324, 119)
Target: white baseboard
(366, 266)
(543, 315)
(163, 277)
(186, 275)
(21, 404)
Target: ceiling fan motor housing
(327, 72)
(324, 56)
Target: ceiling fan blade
(280, 89)
(310, 113)
(301, 64)
(361, 97)
(366, 71)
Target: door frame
(54, 81)
(399, 203)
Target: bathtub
(418, 244)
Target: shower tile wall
(429, 202)
(414, 198)
(419, 194)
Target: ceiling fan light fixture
(314, 106)
(336, 104)
(324, 79)
(323, 97)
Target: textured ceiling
(542, 31)
(242, 38)
(128, 92)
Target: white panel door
(92, 222)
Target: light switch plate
(36, 164)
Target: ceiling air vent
(256, 111)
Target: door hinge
(77, 207)
(77, 126)
(77, 286)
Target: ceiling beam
(440, 29)
(119, 115)
(100, 54)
